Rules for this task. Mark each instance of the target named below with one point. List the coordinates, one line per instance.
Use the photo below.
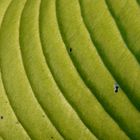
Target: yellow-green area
(59, 62)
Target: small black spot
(116, 87)
(70, 49)
(1, 117)
(116, 90)
(51, 137)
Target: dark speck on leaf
(116, 90)
(51, 137)
(116, 87)
(70, 49)
(1, 117)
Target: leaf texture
(59, 62)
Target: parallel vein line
(106, 64)
(121, 30)
(85, 82)
(3, 79)
(61, 90)
(35, 95)
(103, 60)
(13, 109)
(100, 55)
(95, 44)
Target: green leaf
(59, 63)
